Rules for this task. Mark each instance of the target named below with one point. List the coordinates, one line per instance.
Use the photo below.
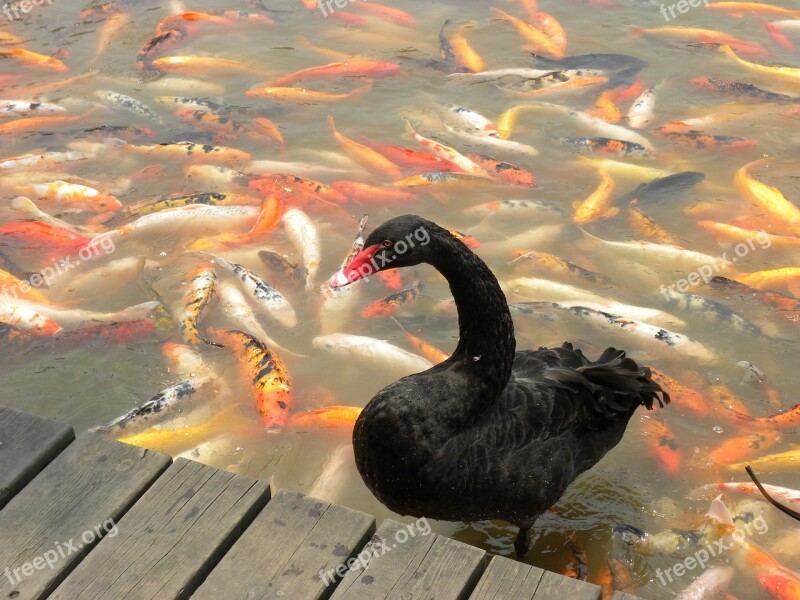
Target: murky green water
(91, 384)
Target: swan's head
(400, 242)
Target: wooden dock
(91, 518)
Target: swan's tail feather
(619, 384)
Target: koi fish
(371, 352)
(786, 276)
(304, 236)
(739, 89)
(202, 66)
(517, 208)
(351, 68)
(647, 226)
(76, 196)
(662, 443)
(783, 494)
(702, 141)
(464, 54)
(493, 142)
(267, 296)
(156, 205)
(791, 74)
(296, 94)
(710, 310)
(269, 379)
(733, 233)
(557, 265)
(189, 151)
(555, 81)
(538, 41)
(387, 13)
(739, 9)
(35, 317)
(788, 460)
(504, 171)
(710, 584)
(680, 394)
(767, 197)
(468, 120)
(195, 219)
(447, 153)
(23, 108)
(34, 236)
(605, 108)
(607, 146)
(356, 191)
(328, 417)
(597, 205)
(200, 292)
(640, 114)
(34, 60)
(235, 306)
(47, 123)
(282, 268)
(293, 184)
(744, 447)
(392, 303)
(368, 158)
(44, 160)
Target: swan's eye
(386, 244)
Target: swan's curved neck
(486, 344)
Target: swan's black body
(490, 433)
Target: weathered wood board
(506, 578)
(288, 550)
(414, 566)
(51, 525)
(27, 444)
(171, 538)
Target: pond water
(646, 480)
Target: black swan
(490, 433)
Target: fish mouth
(629, 534)
(360, 267)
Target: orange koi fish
(465, 55)
(367, 157)
(158, 44)
(432, 353)
(39, 123)
(550, 26)
(503, 171)
(266, 221)
(767, 197)
(662, 443)
(786, 306)
(13, 286)
(296, 94)
(329, 416)
(742, 448)
(268, 377)
(786, 276)
(740, 9)
(387, 13)
(180, 20)
(538, 41)
(291, 184)
(696, 140)
(356, 191)
(554, 264)
(391, 304)
(647, 227)
(413, 159)
(391, 278)
(351, 68)
(726, 231)
(605, 108)
(682, 395)
(36, 237)
(34, 60)
(598, 204)
(791, 74)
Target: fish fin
(719, 512)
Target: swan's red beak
(361, 266)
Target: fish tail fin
(719, 512)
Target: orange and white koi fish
(598, 204)
(44, 160)
(268, 377)
(304, 236)
(783, 494)
(25, 318)
(73, 195)
(447, 153)
(640, 114)
(296, 94)
(493, 142)
(23, 315)
(267, 296)
(350, 68)
(201, 291)
(468, 120)
(34, 60)
(365, 156)
(267, 219)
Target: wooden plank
(27, 444)
(506, 578)
(553, 585)
(418, 566)
(64, 511)
(171, 538)
(292, 542)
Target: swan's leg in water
(523, 542)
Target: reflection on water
(646, 479)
